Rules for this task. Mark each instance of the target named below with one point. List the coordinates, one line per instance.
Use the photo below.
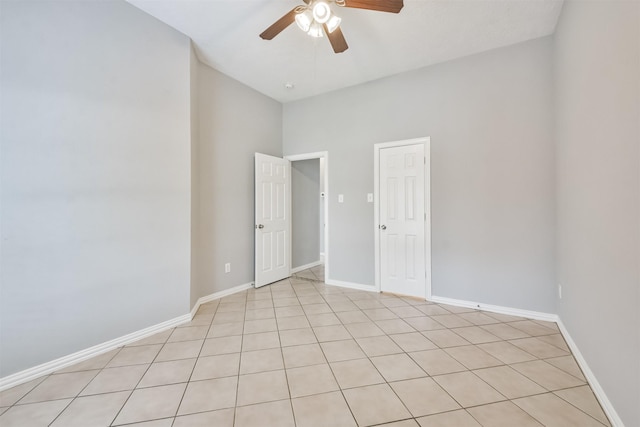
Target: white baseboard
(306, 266)
(497, 309)
(217, 295)
(608, 408)
(351, 285)
(82, 355)
(71, 359)
(321, 256)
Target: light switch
(340, 198)
(370, 197)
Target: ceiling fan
(316, 18)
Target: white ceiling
(425, 32)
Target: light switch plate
(370, 197)
(340, 198)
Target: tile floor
(301, 353)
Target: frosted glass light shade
(315, 30)
(321, 12)
(304, 20)
(333, 23)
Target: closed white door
(273, 219)
(402, 220)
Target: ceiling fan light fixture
(315, 30)
(304, 20)
(321, 12)
(333, 23)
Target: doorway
(402, 217)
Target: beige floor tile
(297, 337)
(12, 395)
(503, 414)
(265, 414)
(159, 338)
(423, 323)
(59, 386)
(230, 317)
(404, 423)
(326, 319)
(552, 411)
(363, 330)
(293, 322)
(259, 304)
(567, 364)
(378, 346)
(478, 318)
(423, 396)
(387, 406)
(457, 310)
(260, 341)
(261, 360)
(506, 352)
(505, 317)
(164, 373)
(538, 348)
(413, 341)
(509, 382)
(303, 355)
(331, 333)
(356, 373)
(33, 415)
(546, 375)
(378, 314)
(342, 306)
(95, 411)
(584, 399)
(532, 328)
(222, 345)
(138, 355)
(322, 410)
(260, 313)
(115, 379)
(451, 321)
(468, 390)
(336, 351)
(189, 333)
(289, 311)
(436, 362)
(394, 326)
(97, 362)
(432, 309)
(226, 330)
(228, 307)
(257, 326)
(308, 380)
(445, 338)
(262, 387)
(151, 403)
(352, 317)
(220, 418)
(208, 308)
(396, 367)
(476, 335)
(223, 365)
(179, 350)
(368, 303)
(556, 340)
(209, 395)
(405, 312)
(285, 302)
(473, 357)
(459, 418)
(505, 331)
(317, 309)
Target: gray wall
(490, 120)
(597, 70)
(95, 176)
(235, 122)
(305, 212)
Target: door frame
(426, 141)
(311, 156)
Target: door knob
(260, 226)
(383, 227)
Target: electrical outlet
(560, 291)
(370, 197)
(227, 267)
(340, 198)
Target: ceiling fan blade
(393, 6)
(336, 38)
(280, 24)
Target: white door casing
(402, 220)
(272, 219)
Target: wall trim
(217, 295)
(82, 355)
(537, 315)
(306, 266)
(597, 389)
(351, 285)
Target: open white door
(273, 219)
(402, 220)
